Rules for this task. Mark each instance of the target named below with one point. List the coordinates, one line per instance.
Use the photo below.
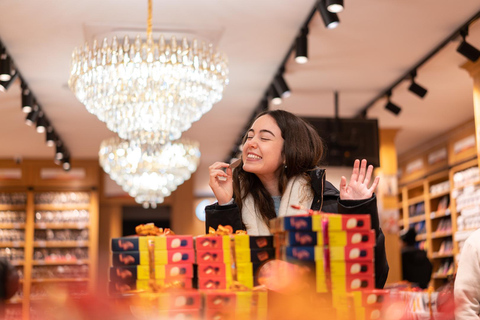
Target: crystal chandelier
(149, 173)
(148, 91)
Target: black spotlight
(50, 137)
(5, 66)
(66, 162)
(275, 95)
(301, 47)
(4, 85)
(330, 19)
(281, 86)
(335, 6)
(466, 49)
(416, 88)
(42, 123)
(27, 99)
(32, 116)
(59, 151)
(392, 107)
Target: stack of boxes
(224, 259)
(338, 250)
(151, 262)
(231, 261)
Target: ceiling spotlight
(66, 163)
(301, 47)
(4, 85)
(27, 99)
(50, 137)
(416, 88)
(281, 86)
(330, 19)
(392, 107)
(466, 49)
(59, 151)
(335, 6)
(276, 99)
(5, 66)
(42, 123)
(32, 116)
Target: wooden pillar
(388, 201)
(474, 71)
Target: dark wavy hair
(303, 151)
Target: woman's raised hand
(357, 188)
(221, 181)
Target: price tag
(41, 226)
(432, 215)
(42, 244)
(16, 244)
(40, 261)
(81, 225)
(16, 225)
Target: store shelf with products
(49, 228)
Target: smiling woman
(280, 163)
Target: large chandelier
(148, 91)
(149, 173)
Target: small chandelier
(149, 173)
(148, 91)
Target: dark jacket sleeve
(370, 206)
(9, 279)
(216, 214)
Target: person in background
(279, 167)
(467, 280)
(9, 283)
(416, 268)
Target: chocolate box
(140, 243)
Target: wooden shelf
(12, 207)
(441, 277)
(437, 235)
(53, 280)
(12, 244)
(17, 262)
(14, 300)
(60, 262)
(439, 194)
(440, 214)
(400, 223)
(415, 200)
(61, 207)
(61, 226)
(13, 225)
(60, 244)
(435, 255)
(421, 237)
(416, 218)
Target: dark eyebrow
(263, 130)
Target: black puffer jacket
(327, 199)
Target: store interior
(425, 146)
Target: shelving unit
(429, 190)
(50, 230)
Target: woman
(279, 168)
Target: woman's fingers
(363, 167)
(368, 175)
(355, 171)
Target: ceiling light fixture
(27, 98)
(4, 85)
(392, 107)
(148, 91)
(275, 95)
(466, 49)
(32, 116)
(5, 65)
(330, 19)
(59, 150)
(66, 163)
(281, 86)
(149, 173)
(301, 47)
(415, 87)
(50, 137)
(42, 123)
(335, 6)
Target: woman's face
(262, 151)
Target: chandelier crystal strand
(148, 91)
(149, 173)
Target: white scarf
(297, 192)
